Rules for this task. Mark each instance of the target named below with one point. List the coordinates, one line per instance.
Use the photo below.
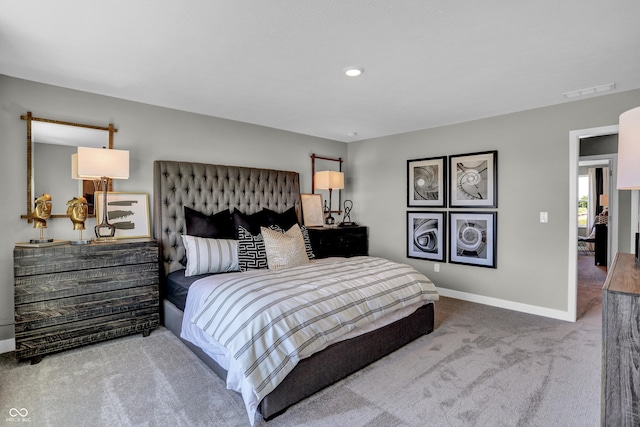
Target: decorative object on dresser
(621, 344)
(103, 164)
(474, 180)
(67, 296)
(426, 182)
(78, 212)
(338, 241)
(426, 235)
(40, 215)
(312, 213)
(473, 238)
(128, 213)
(346, 218)
(329, 180)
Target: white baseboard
(7, 345)
(509, 305)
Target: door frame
(574, 155)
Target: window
(583, 200)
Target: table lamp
(103, 164)
(329, 180)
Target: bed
(210, 189)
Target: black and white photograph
(426, 235)
(474, 180)
(128, 212)
(426, 182)
(472, 237)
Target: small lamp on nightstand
(329, 180)
(104, 164)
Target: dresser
(339, 241)
(72, 295)
(621, 344)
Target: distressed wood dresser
(621, 344)
(72, 295)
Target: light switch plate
(544, 217)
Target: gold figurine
(78, 212)
(40, 215)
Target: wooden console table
(620, 399)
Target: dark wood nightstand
(339, 241)
(72, 295)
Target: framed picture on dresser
(426, 235)
(426, 182)
(128, 212)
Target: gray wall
(533, 176)
(150, 133)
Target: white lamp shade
(629, 150)
(329, 180)
(92, 163)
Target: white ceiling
(279, 63)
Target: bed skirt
(312, 374)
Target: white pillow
(284, 249)
(210, 255)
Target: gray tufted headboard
(210, 189)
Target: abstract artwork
(128, 212)
(473, 181)
(426, 182)
(473, 238)
(426, 235)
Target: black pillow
(284, 220)
(216, 226)
(251, 223)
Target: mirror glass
(49, 153)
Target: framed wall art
(473, 238)
(426, 182)
(426, 235)
(128, 212)
(312, 212)
(474, 180)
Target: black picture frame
(473, 180)
(473, 238)
(427, 182)
(426, 235)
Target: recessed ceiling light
(353, 71)
(589, 90)
(352, 134)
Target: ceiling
(279, 63)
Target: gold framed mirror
(50, 144)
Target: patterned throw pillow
(210, 255)
(307, 242)
(251, 251)
(284, 250)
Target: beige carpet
(482, 366)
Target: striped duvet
(268, 322)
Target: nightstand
(72, 295)
(339, 241)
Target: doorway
(574, 156)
